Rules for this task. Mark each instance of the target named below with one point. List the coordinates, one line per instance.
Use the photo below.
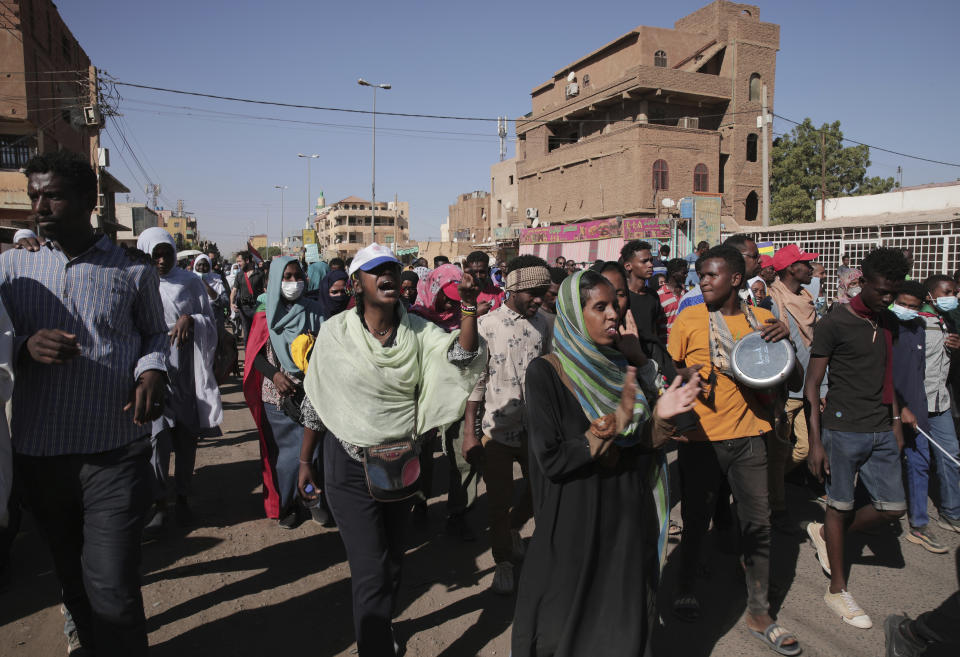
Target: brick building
(469, 218)
(655, 114)
(46, 104)
(505, 217)
(345, 228)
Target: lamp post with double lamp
(309, 196)
(281, 188)
(373, 179)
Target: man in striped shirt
(89, 351)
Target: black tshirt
(857, 358)
(649, 316)
(244, 297)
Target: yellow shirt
(730, 415)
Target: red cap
(451, 290)
(790, 254)
(765, 261)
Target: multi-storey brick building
(345, 228)
(657, 113)
(47, 103)
(469, 218)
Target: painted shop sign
(600, 229)
(646, 228)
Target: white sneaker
(503, 578)
(813, 531)
(850, 612)
(519, 547)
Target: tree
(795, 175)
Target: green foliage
(795, 174)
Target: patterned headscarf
(428, 290)
(846, 280)
(596, 372)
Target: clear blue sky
(885, 69)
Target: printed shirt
(670, 304)
(730, 414)
(111, 301)
(512, 343)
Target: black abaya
(591, 567)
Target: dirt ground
(236, 584)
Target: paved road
(238, 585)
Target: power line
(877, 148)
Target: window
(660, 59)
(752, 207)
(701, 178)
(661, 176)
(15, 150)
(510, 181)
(751, 148)
(755, 87)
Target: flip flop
(774, 641)
(686, 608)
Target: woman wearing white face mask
(273, 386)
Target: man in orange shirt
(728, 441)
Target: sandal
(687, 608)
(775, 636)
(674, 529)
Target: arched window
(755, 87)
(752, 207)
(661, 175)
(752, 147)
(701, 178)
(660, 58)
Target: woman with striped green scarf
(598, 480)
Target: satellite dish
(535, 222)
(668, 203)
(571, 76)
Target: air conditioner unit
(572, 89)
(91, 115)
(532, 213)
(689, 122)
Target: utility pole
(823, 175)
(95, 142)
(396, 220)
(899, 177)
(764, 134)
(502, 131)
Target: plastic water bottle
(315, 502)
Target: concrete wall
(919, 199)
(469, 217)
(505, 207)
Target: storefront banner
(600, 229)
(646, 228)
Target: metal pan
(757, 363)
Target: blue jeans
(875, 457)
(919, 456)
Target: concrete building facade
(469, 218)
(136, 218)
(345, 228)
(655, 114)
(505, 217)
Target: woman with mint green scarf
(378, 379)
(598, 480)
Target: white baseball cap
(371, 257)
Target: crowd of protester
(584, 374)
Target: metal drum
(757, 363)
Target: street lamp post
(281, 188)
(309, 195)
(373, 177)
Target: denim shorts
(877, 460)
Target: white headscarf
(750, 287)
(182, 293)
(211, 278)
